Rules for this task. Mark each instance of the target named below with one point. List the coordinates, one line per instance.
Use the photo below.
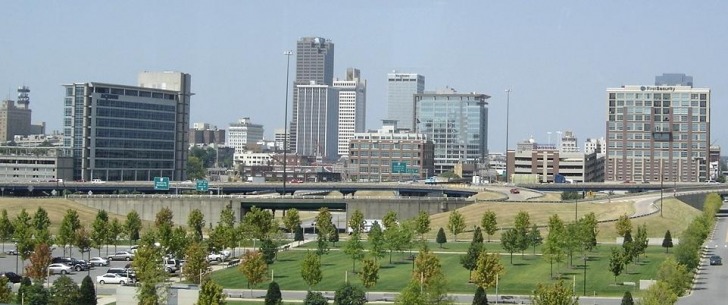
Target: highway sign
(399, 167)
(161, 183)
(202, 185)
(413, 170)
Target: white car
(219, 256)
(98, 261)
(112, 278)
(59, 268)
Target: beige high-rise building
(15, 119)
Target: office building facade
(128, 133)
(657, 131)
(244, 133)
(352, 94)
(456, 123)
(546, 161)
(401, 88)
(317, 123)
(15, 118)
(35, 164)
(204, 134)
(314, 62)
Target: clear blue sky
(558, 57)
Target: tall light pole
(285, 120)
(508, 108)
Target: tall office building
(314, 62)
(243, 133)
(456, 123)
(401, 88)
(352, 107)
(673, 79)
(318, 118)
(129, 133)
(658, 131)
(15, 119)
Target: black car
(716, 260)
(78, 265)
(11, 252)
(12, 277)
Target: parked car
(98, 261)
(121, 256)
(171, 265)
(515, 191)
(12, 277)
(218, 256)
(113, 278)
(12, 252)
(78, 265)
(716, 260)
(59, 268)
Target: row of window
(134, 124)
(111, 143)
(657, 96)
(134, 154)
(134, 92)
(135, 114)
(385, 154)
(133, 134)
(134, 105)
(129, 164)
(682, 103)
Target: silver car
(98, 261)
(59, 268)
(121, 256)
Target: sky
(557, 57)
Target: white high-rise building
(595, 145)
(401, 88)
(242, 133)
(568, 143)
(352, 108)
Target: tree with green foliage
(510, 242)
(640, 240)
(324, 228)
(427, 266)
(39, 261)
(148, 266)
(23, 234)
(354, 248)
(553, 247)
(489, 223)
(133, 226)
(67, 231)
(36, 294)
(82, 240)
(261, 223)
(627, 299)
(573, 240)
(254, 268)
(41, 222)
(115, 230)
(348, 294)
(676, 276)
(396, 235)
(178, 242)
(100, 230)
(623, 225)
(291, 220)
(269, 250)
(195, 169)
(6, 290)
(456, 223)
(6, 228)
(534, 238)
(196, 222)
(311, 269)
(487, 270)
(412, 294)
(557, 293)
(470, 259)
(628, 249)
(273, 295)
(480, 298)
(667, 241)
(570, 195)
(196, 263)
(315, 298)
(522, 224)
(616, 263)
(25, 284)
(334, 236)
(590, 226)
(441, 238)
(64, 291)
(376, 240)
(211, 294)
(298, 234)
(369, 274)
(478, 235)
(658, 293)
(164, 224)
(356, 221)
(422, 224)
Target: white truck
(256, 179)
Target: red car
(515, 191)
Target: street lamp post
(508, 106)
(285, 121)
(585, 257)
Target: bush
(570, 195)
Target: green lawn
(521, 277)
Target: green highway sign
(202, 185)
(413, 170)
(161, 183)
(399, 167)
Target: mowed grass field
(521, 277)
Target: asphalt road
(710, 283)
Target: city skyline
(558, 60)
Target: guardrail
(172, 196)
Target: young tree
(470, 259)
(211, 294)
(676, 276)
(269, 250)
(115, 230)
(478, 235)
(39, 261)
(510, 241)
(640, 240)
(480, 297)
(616, 263)
(534, 237)
(291, 220)
(298, 234)
(148, 266)
(23, 234)
(456, 223)
(623, 225)
(376, 241)
(556, 293)
(315, 298)
(427, 266)
(522, 224)
(261, 223)
(590, 225)
(487, 270)
(658, 294)
(64, 291)
(422, 224)
(324, 228)
(441, 238)
(489, 223)
(196, 222)
(133, 226)
(87, 292)
(196, 263)
(254, 268)
(349, 295)
(100, 230)
(36, 294)
(66, 233)
(354, 249)
(334, 236)
(627, 299)
(553, 248)
(82, 241)
(41, 222)
(412, 294)
(356, 222)
(369, 274)
(667, 241)
(273, 295)
(628, 249)
(164, 224)
(6, 228)
(311, 269)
